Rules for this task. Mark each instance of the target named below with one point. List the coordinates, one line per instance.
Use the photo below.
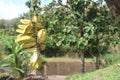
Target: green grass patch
(109, 73)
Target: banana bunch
(26, 35)
(35, 61)
(27, 40)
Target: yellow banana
(34, 18)
(22, 39)
(39, 62)
(39, 25)
(28, 28)
(25, 21)
(41, 36)
(19, 35)
(31, 49)
(28, 44)
(35, 61)
(21, 26)
(20, 31)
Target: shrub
(8, 31)
(111, 58)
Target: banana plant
(32, 40)
(16, 58)
(32, 35)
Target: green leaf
(4, 65)
(18, 69)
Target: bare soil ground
(52, 77)
(56, 77)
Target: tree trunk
(114, 6)
(82, 68)
(97, 64)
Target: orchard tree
(115, 12)
(57, 19)
(94, 29)
(81, 24)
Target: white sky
(13, 8)
(10, 9)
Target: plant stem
(35, 36)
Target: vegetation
(111, 58)
(84, 27)
(74, 28)
(15, 58)
(109, 73)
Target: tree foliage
(83, 26)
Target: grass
(109, 73)
(65, 59)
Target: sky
(13, 8)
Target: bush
(111, 58)
(8, 31)
(1, 48)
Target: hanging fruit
(26, 35)
(35, 61)
(28, 40)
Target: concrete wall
(66, 67)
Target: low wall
(66, 67)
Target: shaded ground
(52, 77)
(56, 77)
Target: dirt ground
(52, 77)
(56, 77)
